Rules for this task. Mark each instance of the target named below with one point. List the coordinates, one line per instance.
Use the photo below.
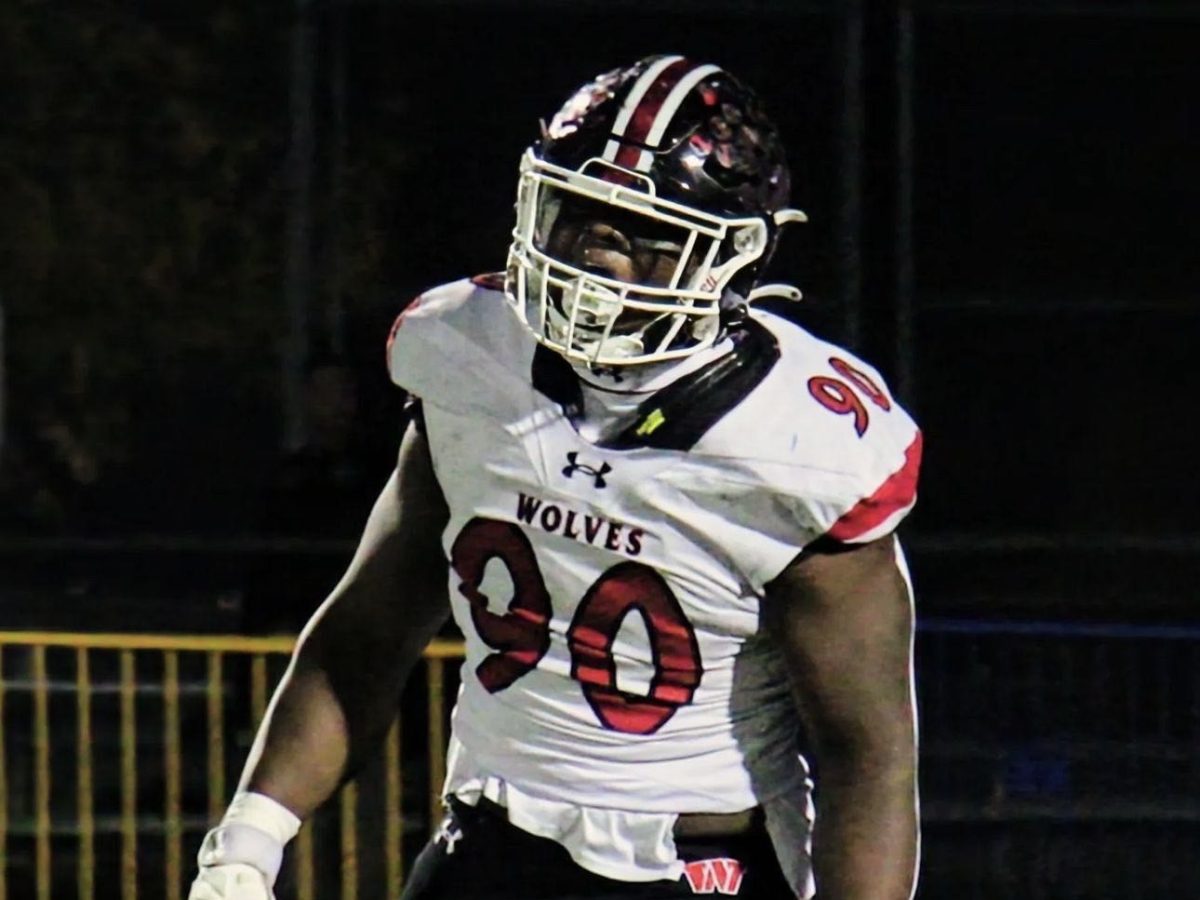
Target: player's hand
(240, 858)
(231, 881)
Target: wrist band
(261, 812)
(253, 832)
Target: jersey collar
(681, 403)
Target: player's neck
(644, 379)
(610, 396)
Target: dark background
(211, 212)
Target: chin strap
(785, 291)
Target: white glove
(240, 858)
(232, 881)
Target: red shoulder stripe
(493, 281)
(896, 493)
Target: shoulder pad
(831, 442)
(493, 281)
(458, 346)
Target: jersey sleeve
(856, 479)
(837, 458)
(873, 494)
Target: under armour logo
(714, 876)
(450, 833)
(597, 474)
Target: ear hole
(749, 240)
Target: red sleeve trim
(896, 493)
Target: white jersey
(608, 591)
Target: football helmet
(646, 210)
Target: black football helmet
(680, 159)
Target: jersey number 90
(521, 636)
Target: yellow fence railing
(117, 752)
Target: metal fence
(120, 750)
(1059, 762)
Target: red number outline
(625, 588)
(862, 381)
(838, 397)
(521, 636)
(841, 398)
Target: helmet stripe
(638, 91)
(649, 107)
(674, 99)
(642, 119)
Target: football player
(666, 522)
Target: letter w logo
(575, 466)
(714, 876)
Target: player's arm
(844, 621)
(341, 690)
